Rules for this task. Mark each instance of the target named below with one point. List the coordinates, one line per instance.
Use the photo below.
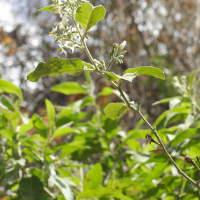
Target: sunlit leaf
(93, 178)
(56, 66)
(114, 110)
(50, 112)
(88, 16)
(69, 88)
(8, 87)
(151, 71)
(50, 8)
(6, 103)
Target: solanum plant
(74, 34)
(72, 154)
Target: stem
(165, 150)
(109, 65)
(196, 165)
(137, 111)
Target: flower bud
(122, 45)
(65, 20)
(115, 45)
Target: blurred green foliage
(71, 154)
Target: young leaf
(31, 188)
(63, 130)
(87, 16)
(129, 76)
(6, 86)
(48, 8)
(69, 88)
(166, 100)
(191, 81)
(151, 71)
(6, 102)
(114, 110)
(39, 125)
(50, 112)
(94, 178)
(56, 66)
(112, 76)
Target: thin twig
(137, 111)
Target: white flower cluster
(66, 36)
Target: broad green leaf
(50, 113)
(69, 88)
(114, 110)
(56, 66)
(87, 16)
(6, 102)
(50, 8)
(151, 71)
(93, 178)
(6, 86)
(31, 188)
(39, 125)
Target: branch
(133, 109)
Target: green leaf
(191, 81)
(94, 178)
(100, 192)
(114, 110)
(129, 76)
(31, 188)
(87, 16)
(106, 91)
(6, 103)
(182, 135)
(62, 184)
(6, 86)
(166, 100)
(25, 127)
(63, 130)
(50, 112)
(69, 88)
(151, 71)
(39, 125)
(48, 8)
(112, 76)
(56, 66)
